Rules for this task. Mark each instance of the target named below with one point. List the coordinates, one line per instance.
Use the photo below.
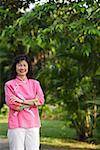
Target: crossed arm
(20, 104)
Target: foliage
(11, 10)
(54, 112)
(70, 34)
(4, 110)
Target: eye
(19, 65)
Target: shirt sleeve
(9, 92)
(39, 93)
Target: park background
(62, 39)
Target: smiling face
(22, 69)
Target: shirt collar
(20, 80)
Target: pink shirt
(27, 89)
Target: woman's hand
(36, 101)
(16, 99)
(32, 102)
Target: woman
(23, 95)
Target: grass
(56, 129)
(52, 129)
(69, 144)
(3, 127)
(55, 133)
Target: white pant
(23, 139)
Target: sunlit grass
(69, 144)
(55, 133)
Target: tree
(10, 11)
(70, 34)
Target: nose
(22, 67)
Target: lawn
(56, 129)
(52, 129)
(3, 127)
(55, 133)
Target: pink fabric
(29, 89)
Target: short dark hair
(16, 60)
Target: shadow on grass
(53, 137)
(4, 146)
(49, 147)
(57, 145)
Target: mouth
(22, 71)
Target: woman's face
(22, 68)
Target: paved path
(4, 146)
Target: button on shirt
(27, 89)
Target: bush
(4, 111)
(52, 112)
